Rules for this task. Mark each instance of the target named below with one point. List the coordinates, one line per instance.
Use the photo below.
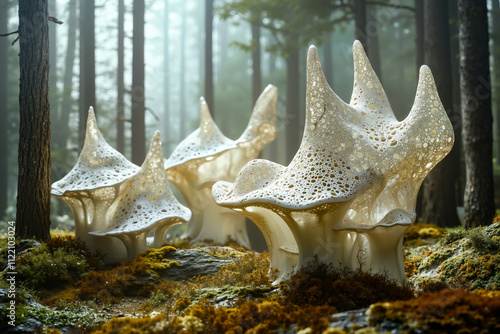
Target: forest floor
(454, 275)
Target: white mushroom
(349, 193)
(92, 186)
(207, 156)
(145, 203)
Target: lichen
(467, 259)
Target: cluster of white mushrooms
(346, 198)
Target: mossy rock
(461, 259)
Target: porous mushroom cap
(206, 141)
(99, 165)
(145, 200)
(346, 148)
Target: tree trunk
(456, 115)
(138, 93)
(479, 207)
(495, 28)
(62, 133)
(439, 201)
(209, 76)
(327, 55)
(419, 33)
(166, 75)
(222, 32)
(182, 90)
(360, 23)
(4, 94)
(256, 71)
(33, 190)
(120, 81)
(87, 65)
(293, 132)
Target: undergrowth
(320, 284)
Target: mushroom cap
(348, 149)
(206, 141)
(264, 111)
(146, 200)
(98, 166)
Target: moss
(482, 242)
(253, 317)
(467, 259)
(319, 284)
(230, 292)
(107, 286)
(48, 267)
(416, 233)
(447, 311)
(79, 315)
(147, 325)
(20, 312)
(452, 236)
(250, 269)
(181, 304)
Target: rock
(30, 326)
(195, 262)
(346, 320)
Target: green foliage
(293, 23)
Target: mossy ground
(136, 296)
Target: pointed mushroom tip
(312, 50)
(425, 70)
(157, 136)
(358, 51)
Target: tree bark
(479, 207)
(33, 190)
(120, 81)
(456, 114)
(209, 76)
(360, 23)
(138, 93)
(495, 29)
(87, 65)
(439, 194)
(4, 93)
(256, 70)
(293, 132)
